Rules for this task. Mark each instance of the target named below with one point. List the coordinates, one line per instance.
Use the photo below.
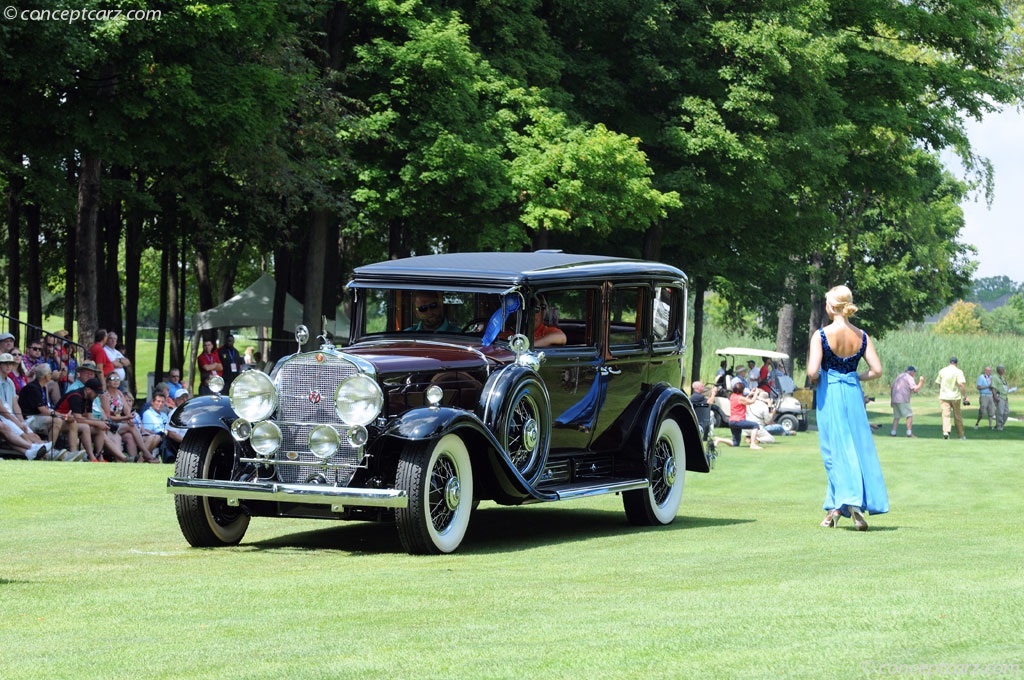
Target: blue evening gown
(847, 446)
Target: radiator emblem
(314, 397)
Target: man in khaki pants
(952, 390)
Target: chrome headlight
(216, 384)
(324, 441)
(265, 438)
(241, 429)
(358, 400)
(253, 396)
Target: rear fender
(669, 402)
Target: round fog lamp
(324, 441)
(358, 435)
(241, 429)
(216, 384)
(434, 395)
(265, 438)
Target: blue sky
(996, 230)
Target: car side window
(573, 312)
(665, 315)
(624, 322)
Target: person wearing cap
(73, 406)
(986, 404)
(7, 342)
(44, 419)
(902, 389)
(181, 396)
(86, 370)
(19, 436)
(952, 391)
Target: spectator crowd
(54, 406)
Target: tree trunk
(110, 304)
(180, 265)
(14, 189)
(313, 296)
(397, 248)
(652, 243)
(132, 268)
(784, 335)
(334, 276)
(817, 308)
(33, 282)
(174, 317)
(70, 260)
(161, 321)
(540, 239)
(697, 291)
(278, 333)
(88, 251)
(205, 287)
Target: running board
(588, 489)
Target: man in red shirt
(104, 365)
(209, 366)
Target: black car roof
(505, 270)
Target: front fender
(210, 411)
(434, 422)
(670, 402)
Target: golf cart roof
(748, 352)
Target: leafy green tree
(991, 288)
(963, 318)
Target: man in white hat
(19, 436)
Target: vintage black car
(510, 377)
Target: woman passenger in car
(544, 335)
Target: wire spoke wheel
(526, 427)
(438, 480)
(659, 502)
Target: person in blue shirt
(986, 405)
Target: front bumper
(312, 494)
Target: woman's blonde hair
(840, 299)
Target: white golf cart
(789, 411)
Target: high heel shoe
(831, 519)
(858, 519)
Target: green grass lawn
(97, 582)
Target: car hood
(420, 356)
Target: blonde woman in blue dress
(855, 483)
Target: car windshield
(450, 312)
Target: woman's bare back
(844, 338)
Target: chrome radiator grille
(305, 389)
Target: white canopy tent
(253, 306)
